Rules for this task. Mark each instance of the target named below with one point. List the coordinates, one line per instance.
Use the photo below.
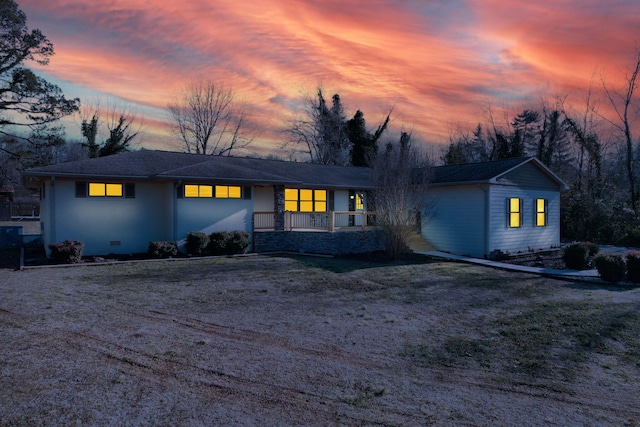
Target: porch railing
(315, 221)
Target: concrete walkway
(586, 275)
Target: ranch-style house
(118, 204)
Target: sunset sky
(436, 63)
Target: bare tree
(622, 102)
(401, 176)
(208, 120)
(327, 137)
(322, 130)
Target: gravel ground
(314, 341)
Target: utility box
(11, 237)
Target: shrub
(228, 243)
(633, 266)
(197, 243)
(218, 242)
(237, 243)
(611, 267)
(67, 252)
(577, 256)
(162, 249)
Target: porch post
(278, 207)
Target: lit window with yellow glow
(193, 190)
(305, 200)
(515, 212)
(228, 192)
(541, 212)
(320, 200)
(359, 202)
(290, 199)
(101, 189)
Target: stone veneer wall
(338, 243)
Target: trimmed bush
(577, 256)
(197, 243)
(228, 243)
(162, 249)
(633, 266)
(218, 242)
(237, 243)
(67, 252)
(611, 267)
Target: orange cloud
(436, 63)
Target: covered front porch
(319, 221)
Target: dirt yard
(314, 341)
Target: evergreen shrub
(197, 243)
(228, 243)
(611, 267)
(218, 242)
(633, 266)
(577, 255)
(237, 243)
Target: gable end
(528, 175)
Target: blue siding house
(118, 204)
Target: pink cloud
(436, 63)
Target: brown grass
(314, 341)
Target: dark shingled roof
(474, 172)
(147, 164)
(166, 165)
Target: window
(105, 189)
(541, 212)
(359, 201)
(192, 190)
(208, 191)
(320, 200)
(305, 200)
(228, 192)
(514, 215)
(101, 189)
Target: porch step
(418, 244)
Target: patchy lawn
(314, 341)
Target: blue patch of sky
(89, 96)
(449, 19)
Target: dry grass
(314, 341)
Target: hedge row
(197, 244)
(612, 268)
(217, 243)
